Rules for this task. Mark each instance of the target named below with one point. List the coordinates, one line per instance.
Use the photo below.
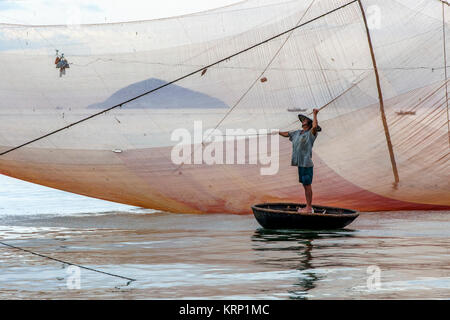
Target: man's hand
(315, 111)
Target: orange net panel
(124, 154)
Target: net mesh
(325, 63)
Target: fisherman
(302, 143)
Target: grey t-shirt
(302, 143)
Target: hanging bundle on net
(61, 63)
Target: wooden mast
(380, 96)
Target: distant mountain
(169, 97)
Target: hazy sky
(98, 11)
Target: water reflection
(294, 250)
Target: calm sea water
(174, 256)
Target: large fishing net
(385, 138)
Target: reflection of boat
(285, 216)
(366, 157)
(293, 249)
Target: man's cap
(302, 117)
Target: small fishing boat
(285, 216)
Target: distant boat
(366, 158)
(403, 113)
(296, 110)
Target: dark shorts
(305, 175)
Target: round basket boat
(285, 216)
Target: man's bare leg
(308, 196)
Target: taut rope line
(68, 263)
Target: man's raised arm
(284, 134)
(315, 123)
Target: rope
(68, 263)
(178, 79)
(432, 68)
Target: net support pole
(380, 96)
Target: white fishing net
(324, 63)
